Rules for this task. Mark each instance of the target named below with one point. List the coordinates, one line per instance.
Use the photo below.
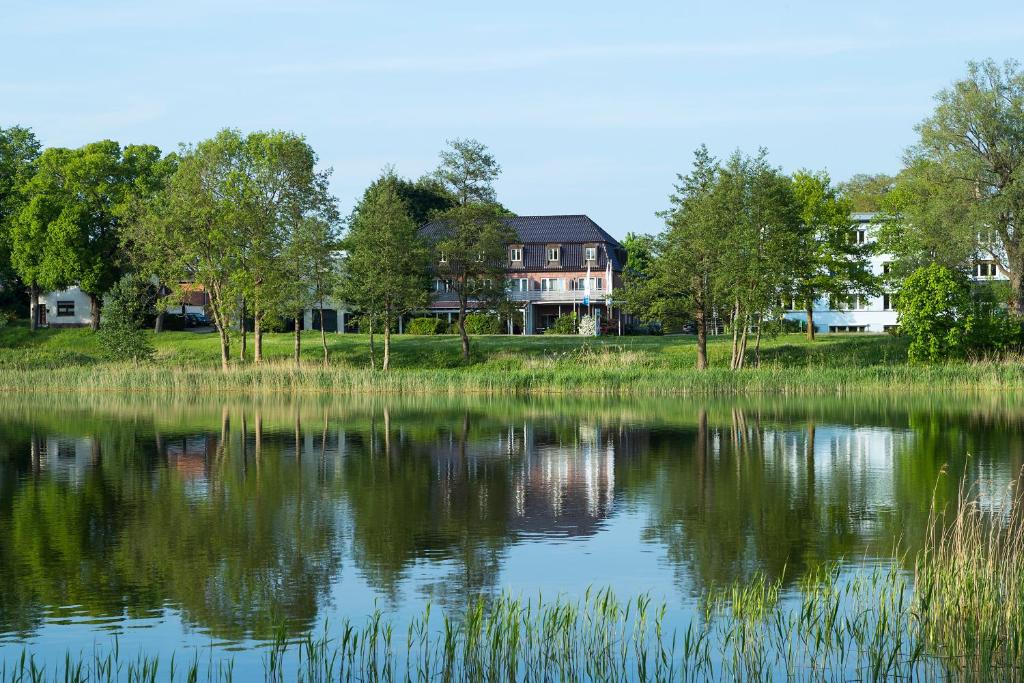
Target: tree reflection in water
(242, 515)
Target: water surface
(175, 524)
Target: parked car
(198, 320)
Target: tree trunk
(33, 307)
(94, 311)
(735, 334)
(757, 344)
(809, 307)
(323, 333)
(373, 359)
(158, 326)
(387, 348)
(244, 331)
(298, 340)
(463, 337)
(701, 320)
(257, 335)
(225, 345)
(742, 350)
(1016, 285)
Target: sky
(589, 107)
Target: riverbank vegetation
(956, 616)
(77, 360)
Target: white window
(515, 254)
(596, 283)
(888, 302)
(552, 284)
(65, 309)
(553, 254)
(860, 235)
(590, 253)
(518, 284)
(853, 302)
(985, 269)
(444, 258)
(887, 268)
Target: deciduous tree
(385, 267)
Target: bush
(945, 319)
(426, 326)
(483, 323)
(6, 318)
(124, 313)
(564, 324)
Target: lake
(185, 525)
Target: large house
(862, 313)
(547, 271)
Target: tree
(275, 189)
(124, 314)
(828, 262)
(19, 150)
(68, 231)
(961, 195)
(311, 259)
(936, 313)
(470, 248)
(468, 171)
(867, 192)
(385, 270)
(761, 233)
(638, 277)
(686, 255)
(425, 197)
(194, 220)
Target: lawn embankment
(187, 362)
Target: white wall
(872, 315)
(83, 307)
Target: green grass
(187, 362)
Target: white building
(69, 307)
(861, 313)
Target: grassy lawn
(189, 361)
(20, 348)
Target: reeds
(533, 376)
(957, 616)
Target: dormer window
(590, 253)
(554, 254)
(444, 258)
(480, 257)
(515, 254)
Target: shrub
(483, 323)
(6, 318)
(944, 319)
(426, 326)
(124, 313)
(564, 324)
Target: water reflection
(235, 517)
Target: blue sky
(590, 107)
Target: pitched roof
(571, 231)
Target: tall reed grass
(956, 616)
(533, 376)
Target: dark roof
(570, 231)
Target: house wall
(872, 315)
(82, 312)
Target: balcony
(533, 296)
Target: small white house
(69, 307)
